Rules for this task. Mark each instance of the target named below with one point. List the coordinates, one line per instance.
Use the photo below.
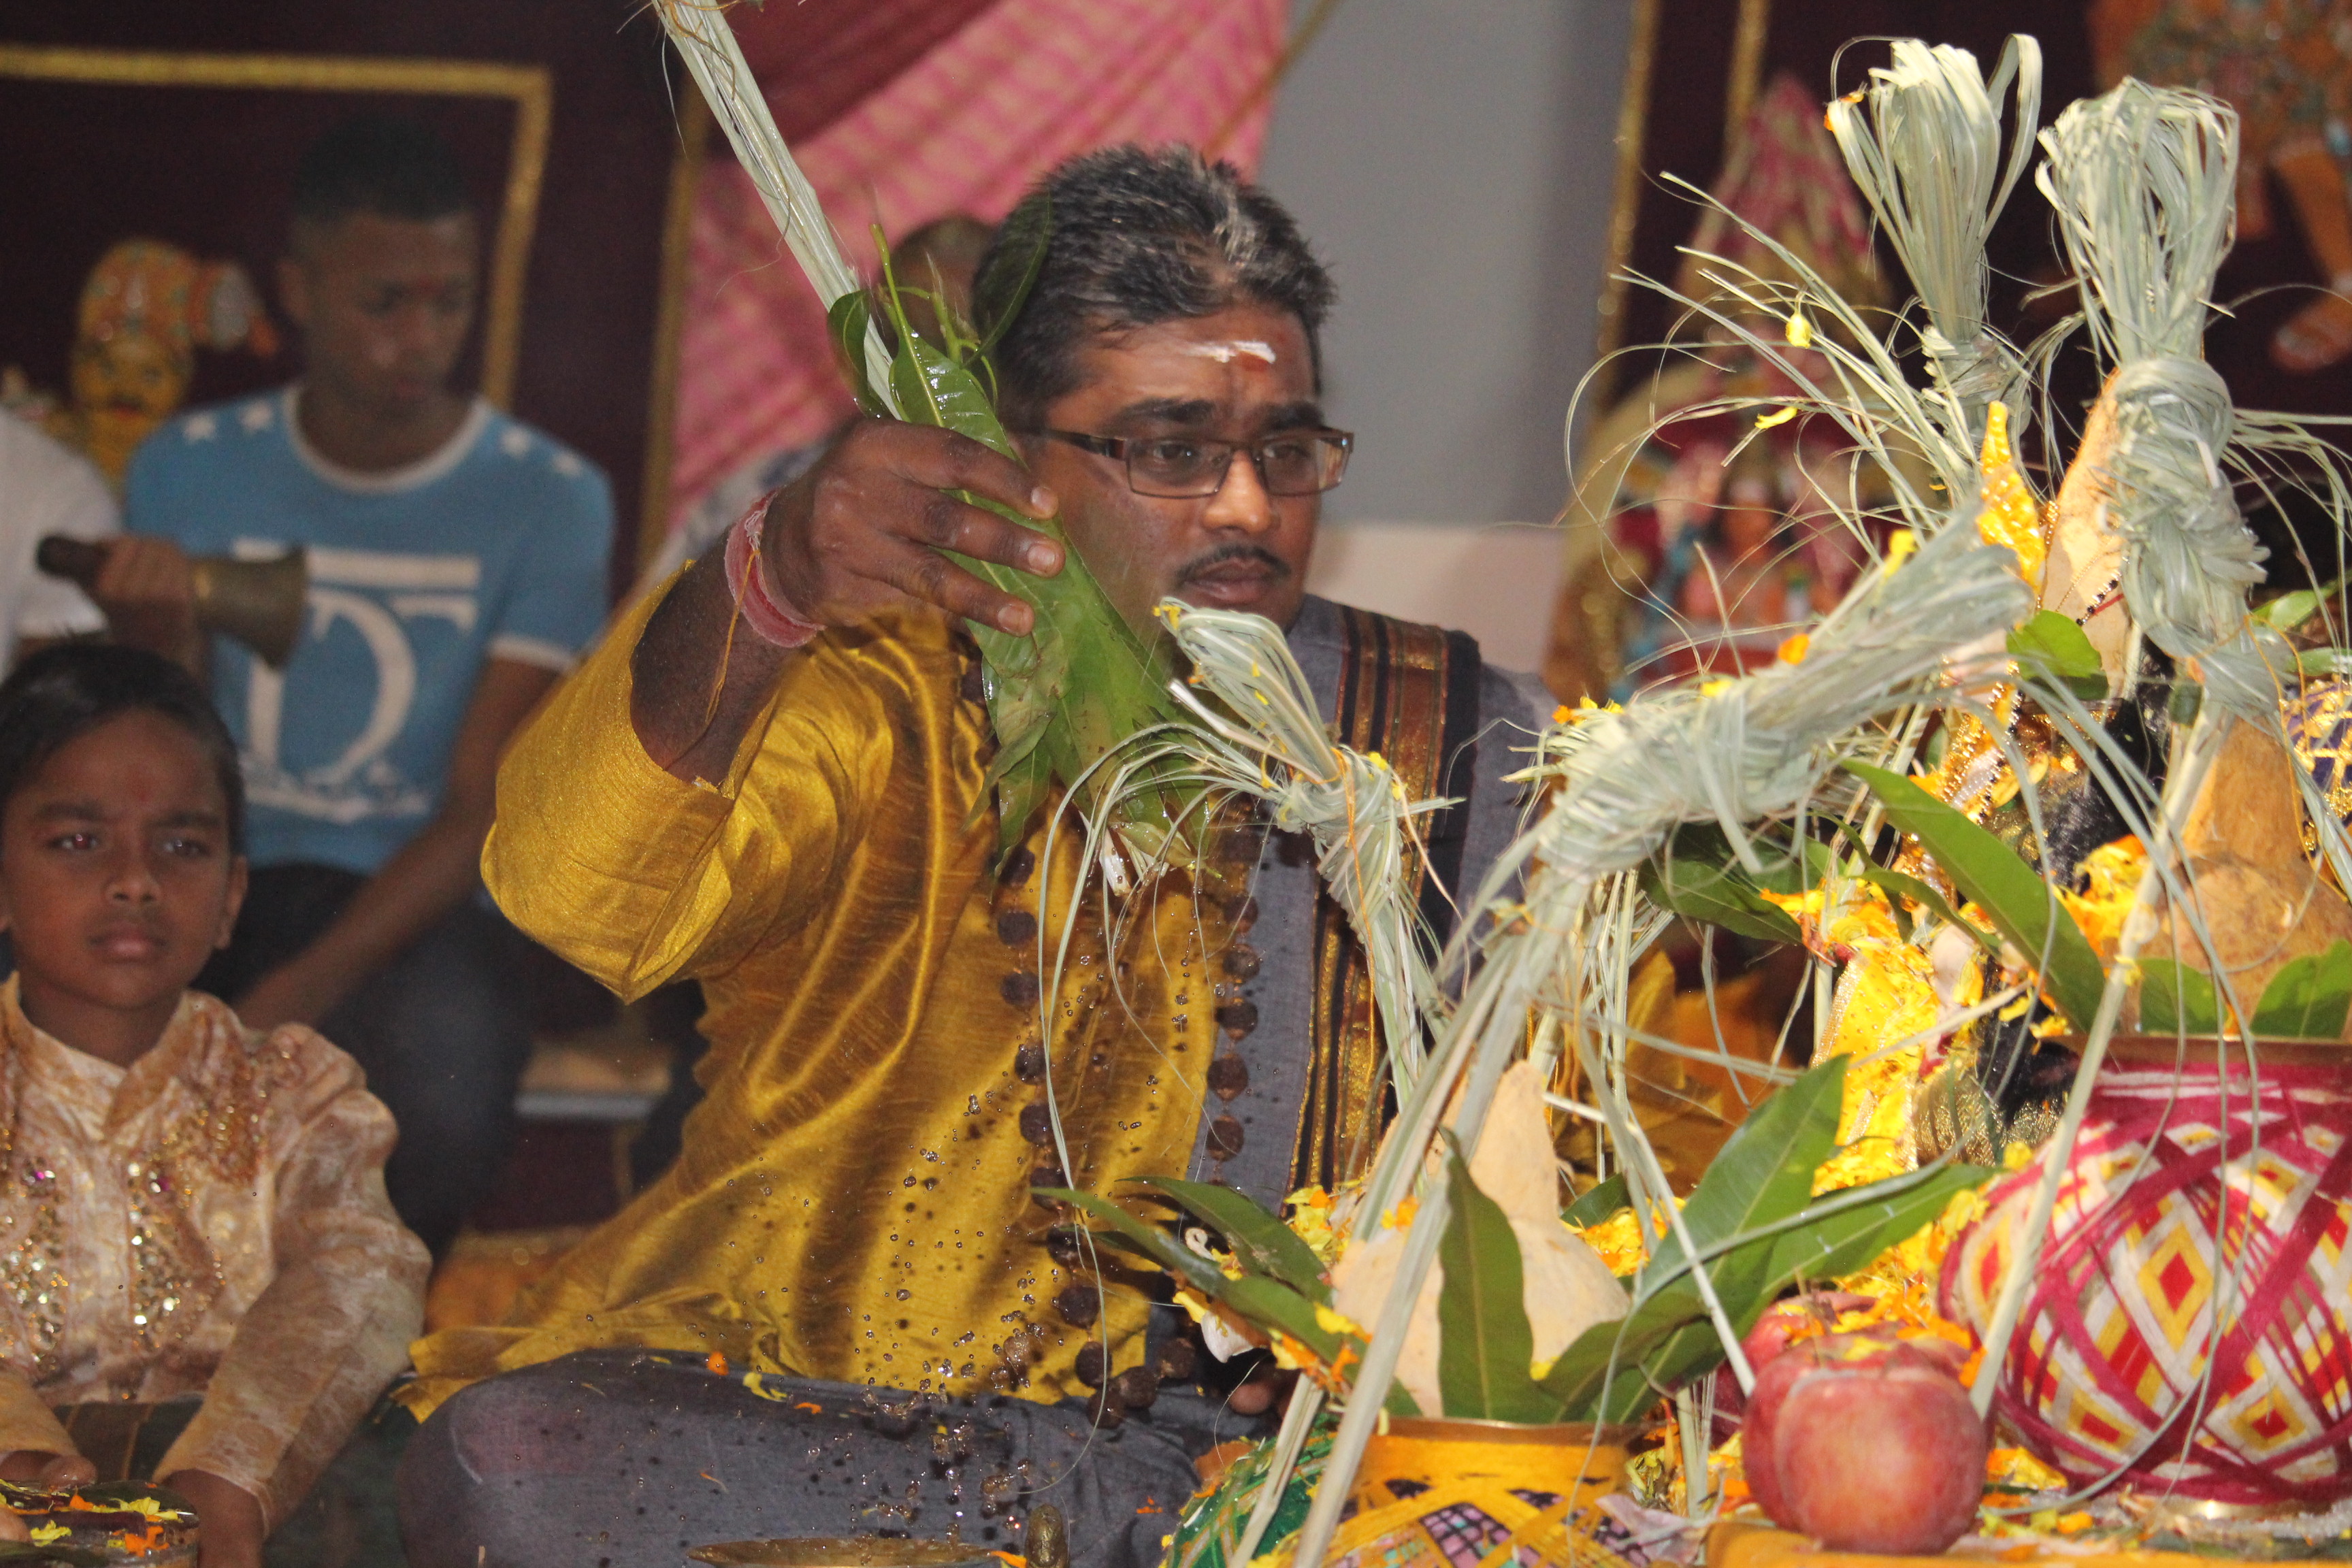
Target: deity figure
(1657, 587)
(144, 311)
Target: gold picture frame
(532, 89)
(694, 127)
(1754, 26)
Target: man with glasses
(774, 778)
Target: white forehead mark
(1223, 353)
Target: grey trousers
(346, 1521)
(620, 1458)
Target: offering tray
(846, 1551)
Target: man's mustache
(1277, 567)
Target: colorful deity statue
(1670, 574)
(146, 308)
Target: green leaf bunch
(2052, 649)
(1756, 1225)
(1280, 1284)
(1758, 1231)
(1696, 876)
(1990, 875)
(1083, 682)
(2310, 998)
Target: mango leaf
(2289, 610)
(1607, 1361)
(1670, 1336)
(2308, 998)
(1115, 1242)
(1833, 1243)
(2051, 649)
(1762, 1179)
(2175, 999)
(1787, 871)
(1714, 894)
(847, 323)
(1200, 1273)
(1261, 1242)
(1990, 874)
(1084, 681)
(1271, 1305)
(1265, 1302)
(1485, 1345)
(1602, 1201)
(998, 293)
(1764, 1172)
(1849, 1240)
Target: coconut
(1564, 1287)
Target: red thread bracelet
(763, 610)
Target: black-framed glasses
(1187, 467)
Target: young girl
(194, 1231)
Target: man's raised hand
(862, 530)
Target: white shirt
(45, 488)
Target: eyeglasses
(1184, 468)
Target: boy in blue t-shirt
(458, 565)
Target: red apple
(1882, 1453)
(1761, 1421)
(1779, 1324)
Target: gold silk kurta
(854, 1198)
(210, 1220)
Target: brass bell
(259, 603)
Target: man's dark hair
(376, 163)
(62, 693)
(1135, 238)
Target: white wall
(1493, 582)
(1452, 160)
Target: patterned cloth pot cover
(2185, 1332)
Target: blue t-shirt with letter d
(493, 547)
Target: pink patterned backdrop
(965, 128)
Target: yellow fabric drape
(853, 1200)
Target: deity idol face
(1239, 374)
(124, 386)
(134, 374)
(117, 880)
(385, 304)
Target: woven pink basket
(2194, 1231)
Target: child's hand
(52, 1473)
(38, 1467)
(227, 1516)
